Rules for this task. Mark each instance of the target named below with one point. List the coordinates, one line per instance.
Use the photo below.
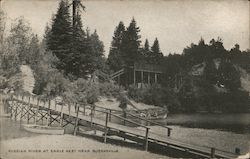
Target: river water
(222, 131)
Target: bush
(110, 89)
(154, 95)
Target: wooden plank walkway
(139, 133)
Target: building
(140, 75)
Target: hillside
(198, 70)
(245, 79)
(28, 78)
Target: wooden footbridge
(31, 109)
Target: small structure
(140, 75)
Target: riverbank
(67, 146)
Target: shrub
(110, 89)
(154, 95)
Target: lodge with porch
(139, 75)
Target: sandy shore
(65, 147)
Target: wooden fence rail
(34, 107)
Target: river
(222, 131)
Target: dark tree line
(79, 52)
(126, 48)
(217, 87)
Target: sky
(175, 23)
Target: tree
(217, 49)
(19, 39)
(46, 36)
(196, 54)
(2, 27)
(156, 54)
(2, 32)
(97, 54)
(114, 58)
(34, 51)
(59, 41)
(210, 72)
(146, 45)
(229, 76)
(146, 52)
(78, 51)
(93, 55)
(130, 44)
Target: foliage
(156, 54)
(130, 44)
(155, 95)
(114, 58)
(110, 89)
(229, 75)
(95, 53)
(79, 53)
(210, 72)
(59, 41)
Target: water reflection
(237, 123)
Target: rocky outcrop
(28, 78)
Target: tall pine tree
(156, 54)
(130, 44)
(59, 41)
(78, 53)
(146, 52)
(114, 58)
(94, 53)
(146, 45)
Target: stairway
(118, 73)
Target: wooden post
(156, 78)
(106, 128)
(61, 118)
(44, 107)
(91, 117)
(84, 109)
(148, 77)
(212, 152)
(55, 105)
(37, 111)
(28, 111)
(146, 139)
(76, 121)
(69, 108)
(15, 111)
(237, 151)
(93, 110)
(125, 116)
(110, 111)
(142, 77)
(119, 80)
(21, 116)
(48, 114)
(11, 106)
(169, 131)
(134, 76)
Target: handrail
(117, 72)
(93, 105)
(214, 151)
(125, 119)
(107, 109)
(114, 75)
(155, 123)
(130, 121)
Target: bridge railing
(73, 108)
(127, 114)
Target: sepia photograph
(124, 79)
